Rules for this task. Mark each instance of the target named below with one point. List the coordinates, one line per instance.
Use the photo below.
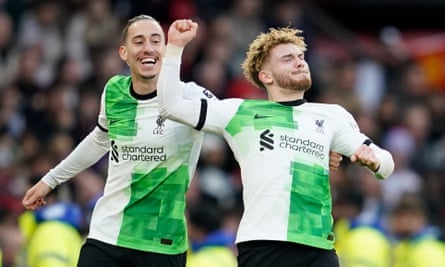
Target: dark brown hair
(133, 20)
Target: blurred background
(383, 60)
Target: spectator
(40, 27)
(53, 234)
(89, 31)
(351, 229)
(211, 245)
(417, 242)
(9, 55)
(400, 142)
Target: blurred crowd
(56, 55)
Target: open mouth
(148, 61)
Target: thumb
(29, 199)
(353, 158)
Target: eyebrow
(151, 35)
(156, 35)
(288, 55)
(285, 56)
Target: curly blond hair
(260, 48)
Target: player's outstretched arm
(90, 150)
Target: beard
(301, 84)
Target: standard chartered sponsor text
(302, 145)
(143, 153)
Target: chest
(140, 122)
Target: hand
(334, 160)
(365, 156)
(34, 197)
(181, 32)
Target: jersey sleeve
(206, 113)
(92, 148)
(348, 138)
(88, 151)
(192, 90)
(386, 162)
(102, 118)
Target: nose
(300, 62)
(148, 47)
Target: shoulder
(193, 90)
(116, 86)
(332, 110)
(325, 106)
(118, 81)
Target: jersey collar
(141, 97)
(294, 102)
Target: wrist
(173, 51)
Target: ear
(265, 77)
(123, 53)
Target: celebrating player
(282, 146)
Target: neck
(284, 95)
(144, 86)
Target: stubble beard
(302, 84)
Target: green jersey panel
(121, 108)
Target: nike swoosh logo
(257, 116)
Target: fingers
(334, 160)
(333, 167)
(36, 204)
(365, 156)
(184, 25)
(34, 197)
(181, 32)
(32, 201)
